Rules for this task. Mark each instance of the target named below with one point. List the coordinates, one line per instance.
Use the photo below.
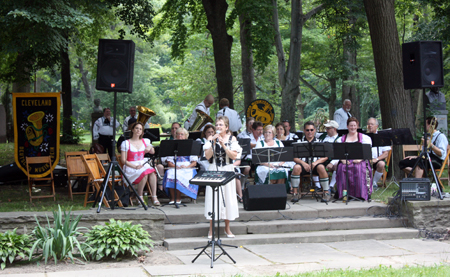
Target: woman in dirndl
(136, 168)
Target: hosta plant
(58, 240)
(13, 245)
(117, 238)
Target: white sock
(333, 180)
(377, 177)
(316, 181)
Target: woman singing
(221, 149)
(135, 167)
(359, 171)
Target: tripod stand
(426, 155)
(214, 242)
(311, 150)
(111, 171)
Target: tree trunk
(216, 15)
(66, 88)
(85, 80)
(248, 72)
(395, 102)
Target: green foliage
(59, 241)
(13, 245)
(117, 238)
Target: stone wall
(433, 214)
(151, 220)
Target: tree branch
(313, 12)
(316, 92)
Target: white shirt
(254, 141)
(291, 136)
(125, 123)
(233, 117)
(102, 128)
(201, 106)
(341, 117)
(332, 139)
(244, 134)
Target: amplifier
(415, 189)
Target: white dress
(230, 209)
(262, 171)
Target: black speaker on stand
(265, 197)
(115, 65)
(422, 64)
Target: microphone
(218, 131)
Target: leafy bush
(115, 238)
(60, 240)
(13, 245)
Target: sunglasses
(309, 130)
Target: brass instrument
(34, 133)
(320, 119)
(200, 121)
(144, 114)
(431, 131)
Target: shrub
(13, 245)
(116, 238)
(60, 240)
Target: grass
(435, 271)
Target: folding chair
(104, 159)
(388, 161)
(32, 180)
(76, 170)
(417, 148)
(147, 184)
(97, 174)
(441, 170)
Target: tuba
(320, 119)
(200, 121)
(34, 133)
(144, 114)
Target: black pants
(107, 143)
(437, 163)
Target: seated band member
(379, 153)
(331, 136)
(135, 167)
(281, 131)
(247, 132)
(207, 132)
(278, 174)
(185, 171)
(305, 166)
(360, 171)
(437, 151)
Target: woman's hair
(226, 121)
(134, 125)
(181, 130)
(270, 127)
(282, 125)
(352, 119)
(207, 127)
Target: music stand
(245, 145)
(214, 242)
(271, 154)
(351, 151)
(311, 150)
(152, 134)
(177, 148)
(342, 132)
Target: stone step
(187, 243)
(285, 226)
(194, 213)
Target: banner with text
(36, 129)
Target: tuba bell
(144, 114)
(200, 121)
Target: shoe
(209, 235)
(156, 201)
(171, 202)
(295, 198)
(326, 197)
(229, 235)
(374, 187)
(179, 202)
(332, 191)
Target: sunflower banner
(36, 130)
